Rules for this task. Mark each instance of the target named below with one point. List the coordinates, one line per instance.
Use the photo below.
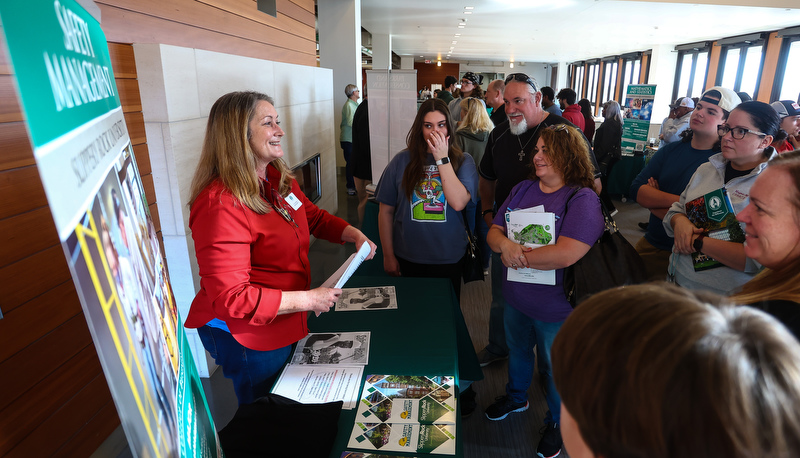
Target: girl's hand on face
(438, 145)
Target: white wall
(178, 87)
(537, 70)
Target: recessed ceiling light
(461, 26)
(457, 35)
(453, 42)
(467, 12)
(469, 7)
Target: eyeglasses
(737, 133)
(523, 78)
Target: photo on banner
(86, 161)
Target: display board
(85, 159)
(392, 109)
(637, 110)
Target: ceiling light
(460, 26)
(439, 63)
(469, 7)
(457, 35)
(467, 12)
(511, 65)
(454, 42)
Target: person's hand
(652, 182)
(794, 141)
(321, 300)
(438, 145)
(513, 254)
(390, 265)
(685, 234)
(361, 239)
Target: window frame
(742, 44)
(693, 50)
(789, 36)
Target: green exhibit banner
(83, 151)
(637, 110)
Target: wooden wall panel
(773, 51)
(26, 279)
(97, 429)
(17, 150)
(428, 74)
(199, 25)
(26, 233)
(21, 190)
(10, 110)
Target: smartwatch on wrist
(487, 211)
(443, 161)
(698, 243)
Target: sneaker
(503, 406)
(551, 443)
(351, 192)
(485, 357)
(468, 403)
(643, 226)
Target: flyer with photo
(345, 348)
(438, 439)
(407, 399)
(368, 298)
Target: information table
(418, 338)
(623, 174)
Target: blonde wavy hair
(227, 155)
(474, 117)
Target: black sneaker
(643, 226)
(468, 403)
(551, 443)
(503, 406)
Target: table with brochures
(417, 338)
(623, 174)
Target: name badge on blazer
(293, 201)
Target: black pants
(450, 271)
(606, 165)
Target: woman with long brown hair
(421, 194)
(251, 226)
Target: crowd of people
(651, 370)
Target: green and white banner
(85, 158)
(637, 110)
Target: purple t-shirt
(584, 223)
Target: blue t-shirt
(584, 223)
(426, 230)
(672, 166)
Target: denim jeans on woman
(522, 334)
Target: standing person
(608, 147)
(548, 97)
(362, 155)
(789, 112)
(505, 163)
(632, 364)
(494, 99)
(569, 109)
(588, 119)
(562, 167)
(473, 133)
(470, 87)
(421, 194)
(746, 138)
(346, 134)
(667, 173)
(251, 225)
(772, 220)
(677, 121)
(446, 94)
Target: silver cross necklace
(522, 148)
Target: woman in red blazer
(251, 225)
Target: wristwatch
(698, 243)
(443, 161)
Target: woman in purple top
(536, 312)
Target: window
(690, 75)
(577, 80)
(631, 66)
(609, 80)
(591, 82)
(740, 63)
(787, 84)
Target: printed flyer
(84, 155)
(374, 298)
(407, 399)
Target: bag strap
(466, 224)
(611, 225)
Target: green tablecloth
(623, 174)
(418, 338)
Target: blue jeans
(497, 332)
(253, 372)
(522, 334)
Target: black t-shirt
(508, 158)
(731, 173)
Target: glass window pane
(698, 85)
(614, 82)
(626, 78)
(606, 81)
(637, 65)
(686, 73)
(752, 67)
(579, 80)
(731, 66)
(790, 89)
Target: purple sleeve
(584, 218)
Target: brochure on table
(406, 413)
(326, 367)
(534, 228)
(367, 298)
